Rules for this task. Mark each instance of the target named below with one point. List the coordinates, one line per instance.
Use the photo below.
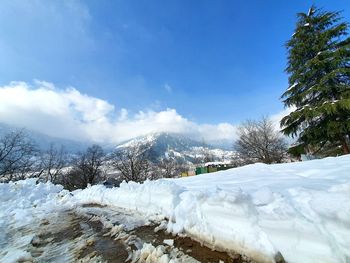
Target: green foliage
(319, 79)
(296, 150)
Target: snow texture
(292, 86)
(301, 210)
(23, 205)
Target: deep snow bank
(301, 210)
(23, 205)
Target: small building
(191, 173)
(201, 170)
(209, 167)
(184, 174)
(188, 173)
(212, 167)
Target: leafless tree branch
(18, 156)
(259, 142)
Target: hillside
(178, 147)
(161, 145)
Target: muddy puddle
(105, 247)
(75, 238)
(100, 234)
(188, 246)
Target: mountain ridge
(162, 145)
(177, 146)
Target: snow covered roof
(217, 163)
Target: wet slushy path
(94, 233)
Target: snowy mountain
(179, 147)
(160, 145)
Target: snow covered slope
(23, 206)
(179, 147)
(300, 210)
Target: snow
(292, 86)
(301, 210)
(150, 254)
(298, 210)
(22, 205)
(217, 163)
(330, 101)
(146, 140)
(311, 10)
(169, 242)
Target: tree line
(21, 158)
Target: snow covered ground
(298, 210)
(23, 207)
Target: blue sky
(212, 61)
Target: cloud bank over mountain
(67, 113)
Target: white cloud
(70, 114)
(276, 118)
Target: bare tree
(206, 155)
(86, 169)
(132, 163)
(260, 141)
(53, 161)
(18, 156)
(169, 168)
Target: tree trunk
(345, 146)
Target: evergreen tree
(319, 79)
